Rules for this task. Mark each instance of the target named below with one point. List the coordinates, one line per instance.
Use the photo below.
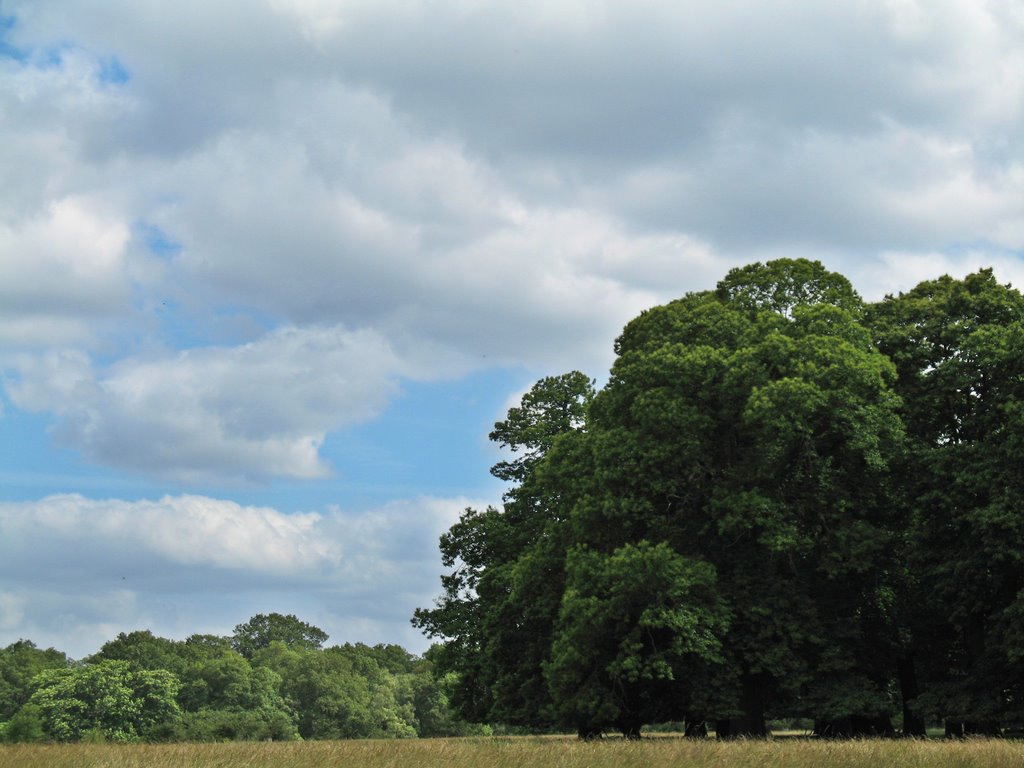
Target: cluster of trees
(271, 679)
(785, 503)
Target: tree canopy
(139, 686)
(263, 629)
(747, 520)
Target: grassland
(526, 752)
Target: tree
(144, 651)
(432, 694)
(263, 629)
(554, 406)
(20, 662)
(632, 628)
(958, 346)
(784, 284)
(757, 436)
(501, 599)
(339, 693)
(106, 699)
(223, 696)
(740, 452)
(228, 681)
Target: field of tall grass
(525, 752)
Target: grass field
(530, 752)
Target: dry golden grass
(527, 752)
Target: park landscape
(573, 383)
(786, 506)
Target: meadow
(517, 752)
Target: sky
(270, 270)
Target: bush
(26, 725)
(227, 725)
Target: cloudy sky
(271, 269)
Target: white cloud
(900, 271)
(466, 184)
(182, 530)
(77, 571)
(357, 194)
(61, 269)
(259, 409)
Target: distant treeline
(271, 679)
(786, 503)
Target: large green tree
(958, 346)
(741, 454)
(340, 692)
(753, 428)
(222, 694)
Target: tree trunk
(854, 726)
(630, 729)
(913, 723)
(696, 729)
(974, 637)
(751, 723)
(960, 729)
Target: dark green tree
(632, 629)
(745, 435)
(501, 599)
(20, 662)
(753, 430)
(958, 346)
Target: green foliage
(341, 692)
(959, 348)
(784, 284)
(552, 407)
(791, 443)
(144, 651)
(632, 628)
(105, 699)
(143, 687)
(501, 598)
(263, 629)
(26, 725)
(20, 662)
(763, 450)
(230, 725)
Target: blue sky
(270, 270)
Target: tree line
(271, 679)
(785, 502)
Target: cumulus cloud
(255, 410)
(59, 270)
(231, 229)
(77, 571)
(466, 184)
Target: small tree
(263, 629)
